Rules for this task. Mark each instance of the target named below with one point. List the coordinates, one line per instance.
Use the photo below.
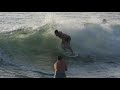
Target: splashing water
(29, 43)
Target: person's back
(60, 68)
(63, 36)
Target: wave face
(38, 48)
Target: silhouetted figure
(65, 40)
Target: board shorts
(60, 75)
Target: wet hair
(60, 57)
(56, 31)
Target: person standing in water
(60, 67)
(65, 41)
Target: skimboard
(68, 54)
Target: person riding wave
(65, 44)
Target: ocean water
(29, 48)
